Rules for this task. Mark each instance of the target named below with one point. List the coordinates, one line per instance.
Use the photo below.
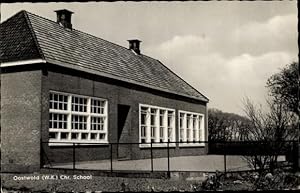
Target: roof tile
(79, 50)
(19, 42)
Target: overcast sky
(226, 50)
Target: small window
(94, 136)
(84, 135)
(64, 135)
(101, 136)
(53, 135)
(74, 135)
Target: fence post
(74, 156)
(151, 157)
(295, 155)
(225, 167)
(255, 158)
(168, 157)
(111, 158)
(41, 154)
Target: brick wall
(20, 121)
(25, 117)
(116, 93)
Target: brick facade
(20, 121)
(116, 94)
(25, 117)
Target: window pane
(84, 135)
(180, 122)
(64, 135)
(143, 131)
(79, 122)
(170, 118)
(79, 104)
(101, 136)
(161, 134)
(97, 106)
(97, 123)
(53, 135)
(57, 121)
(161, 117)
(194, 127)
(170, 132)
(143, 119)
(188, 121)
(74, 136)
(181, 134)
(93, 136)
(153, 117)
(58, 101)
(143, 134)
(153, 133)
(199, 127)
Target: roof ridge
(88, 34)
(81, 31)
(101, 39)
(33, 35)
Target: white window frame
(165, 125)
(198, 126)
(81, 132)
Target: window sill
(191, 144)
(77, 143)
(158, 145)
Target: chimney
(135, 46)
(64, 18)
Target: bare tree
(270, 130)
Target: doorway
(123, 150)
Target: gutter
(22, 62)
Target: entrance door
(123, 131)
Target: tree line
(279, 121)
(276, 127)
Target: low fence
(251, 147)
(166, 156)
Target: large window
(78, 119)
(191, 128)
(157, 124)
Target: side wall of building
(20, 121)
(116, 94)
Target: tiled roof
(28, 36)
(16, 40)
